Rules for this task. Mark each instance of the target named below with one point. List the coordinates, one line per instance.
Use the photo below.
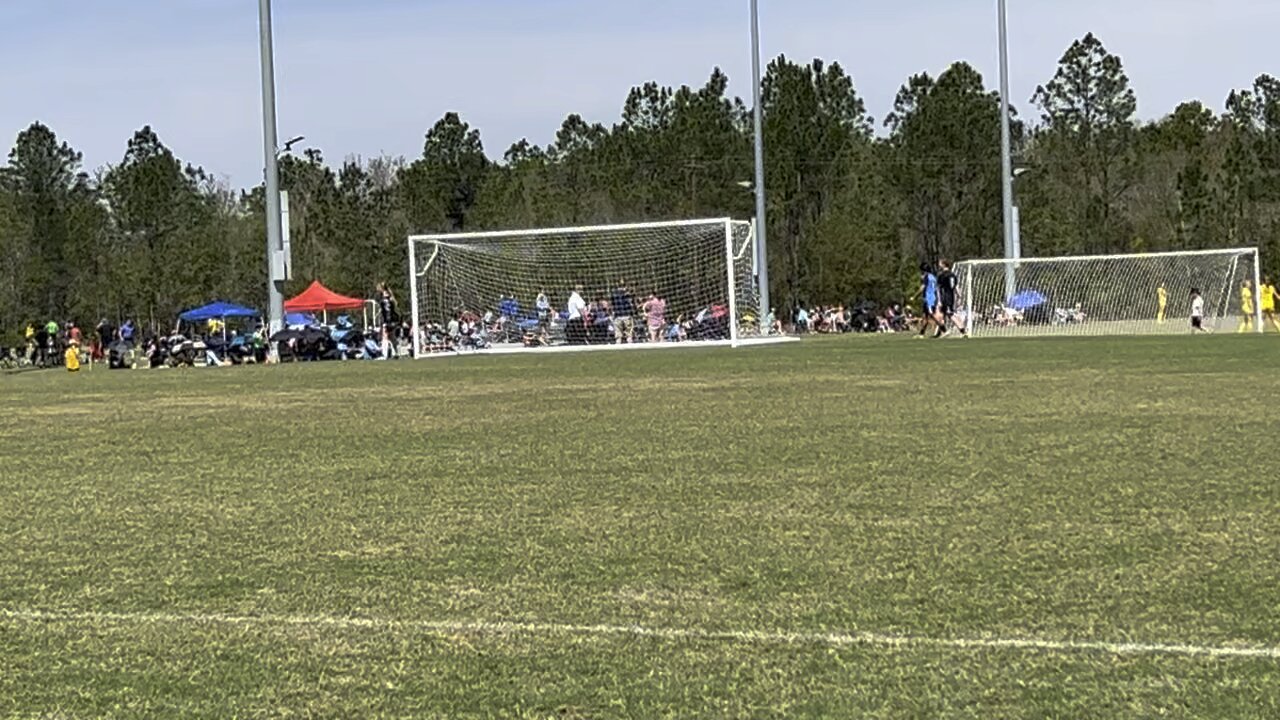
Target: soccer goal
(1136, 294)
(517, 289)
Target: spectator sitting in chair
(771, 324)
(601, 326)
(802, 320)
(841, 320)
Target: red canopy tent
(319, 298)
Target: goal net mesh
(1107, 295)
(493, 282)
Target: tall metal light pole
(762, 248)
(1006, 159)
(275, 242)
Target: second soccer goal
(1150, 293)
(658, 282)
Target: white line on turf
(673, 634)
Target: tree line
(854, 203)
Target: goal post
(528, 287)
(1127, 294)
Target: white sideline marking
(737, 636)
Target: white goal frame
(732, 256)
(965, 270)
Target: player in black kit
(947, 285)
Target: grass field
(861, 527)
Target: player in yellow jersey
(1162, 302)
(1269, 297)
(1246, 307)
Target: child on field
(1197, 312)
(72, 357)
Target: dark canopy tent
(218, 311)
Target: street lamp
(762, 255)
(276, 261)
(1016, 242)
(285, 243)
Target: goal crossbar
(1118, 256)
(445, 238)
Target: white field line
(450, 627)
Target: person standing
(655, 312)
(623, 314)
(1197, 312)
(929, 290)
(54, 349)
(576, 326)
(1269, 297)
(948, 284)
(1246, 307)
(71, 359)
(543, 307)
(1162, 302)
(387, 305)
(106, 336)
(389, 317)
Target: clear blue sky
(365, 77)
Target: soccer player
(929, 289)
(1162, 302)
(1246, 307)
(947, 285)
(1269, 297)
(1197, 312)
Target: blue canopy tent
(218, 311)
(1027, 299)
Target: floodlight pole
(275, 242)
(762, 251)
(1006, 159)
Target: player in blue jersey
(929, 290)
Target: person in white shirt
(1197, 312)
(576, 328)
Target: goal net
(522, 288)
(1111, 294)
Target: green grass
(1105, 490)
